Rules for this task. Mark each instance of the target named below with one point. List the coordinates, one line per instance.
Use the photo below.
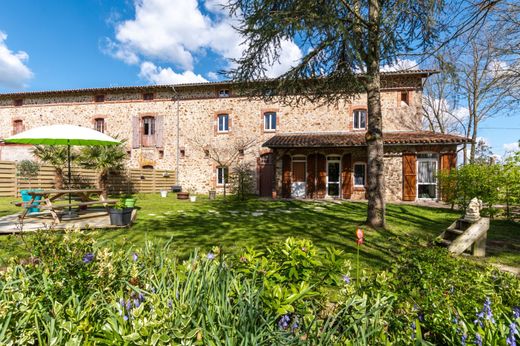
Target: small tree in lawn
(225, 155)
(242, 180)
(103, 159)
(56, 156)
(27, 169)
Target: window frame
(15, 123)
(152, 127)
(96, 120)
(364, 174)
(223, 93)
(268, 121)
(427, 157)
(355, 114)
(222, 172)
(225, 129)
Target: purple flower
(140, 297)
(463, 340)
(137, 303)
(211, 256)
(89, 257)
(412, 326)
(128, 305)
(346, 279)
(420, 316)
(134, 257)
(478, 339)
(511, 339)
(516, 312)
(294, 326)
(125, 317)
(170, 303)
(283, 322)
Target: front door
(427, 176)
(266, 175)
(333, 176)
(298, 179)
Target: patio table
(86, 197)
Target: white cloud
(401, 65)
(511, 147)
(212, 75)
(160, 75)
(178, 32)
(13, 71)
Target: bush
(242, 181)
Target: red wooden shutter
(136, 132)
(159, 131)
(286, 176)
(346, 176)
(448, 161)
(321, 183)
(311, 175)
(409, 176)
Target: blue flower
(89, 257)
(134, 257)
(140, 297)
(170, 303)
(128, 305)
(511, 339)
(211, 256)
(478, 339)
(346, 279)
(516, 312)
(283, 322)
(420, 316)
(294, 326)
(125, 317)
(463, 340)
(137, 303)
(412, 326)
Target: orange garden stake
(360, 235)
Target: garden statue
(473, 210)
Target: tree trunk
(103, 183)
(473, 140)
(58, 178)
(374, 135)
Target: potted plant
(120, 215)
(130, 201)
(193, 197)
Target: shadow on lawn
(235, 225)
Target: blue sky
(47, 45)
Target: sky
(49, 44)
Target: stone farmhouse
(307, 151)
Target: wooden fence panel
(124, 182)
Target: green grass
(231, 224)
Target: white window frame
(224, 93)
(356, 114)
(333, 159)
(221, 176)
(223, 116)
(102, 120)
(434, 158)
(354, 173)
(269, 125)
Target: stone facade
(196, 108)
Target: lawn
(234, 225)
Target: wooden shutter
(448, 161)
(346, 176)
(286, 176)
(159, 131)
(321, 182)
(311, 176)
(409, 176)
(136, 132)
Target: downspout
(176, 99)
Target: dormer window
(99, 98)
(360, 119)
(223, 93)
(18, 102)
(148, 96)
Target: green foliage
(492, 183)
(54, 155)
(27, 168)
(242, 181)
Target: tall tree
(346, 42)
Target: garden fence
(126, 181)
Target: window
(223, 122)
(360, 119)
(206, 153)
(360, 174)
(222, 175)
(404, 97)
(223, 93)
(182, 153)
(99, 98)
(427, 175)
(99, 125)
(18, 102)
(17, 126)
(148, 126)
(270, 121)
(148, 96)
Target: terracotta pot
(183, 195)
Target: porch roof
(357, 139)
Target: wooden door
(409, 176)
(311, 176)
(346, 176)
(321, 181)
(266, 175)
(286, 176)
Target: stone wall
(197, 109)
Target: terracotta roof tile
(347, 139)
